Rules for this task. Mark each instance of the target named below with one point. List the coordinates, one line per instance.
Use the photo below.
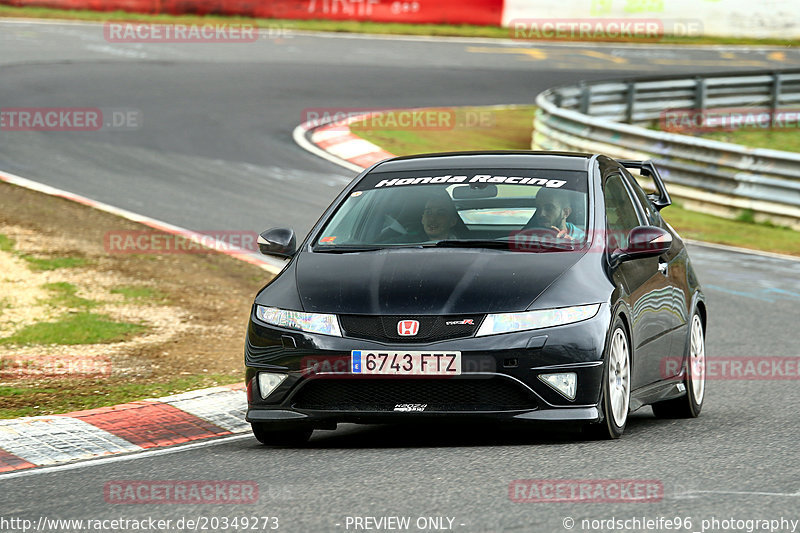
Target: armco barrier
(711, 176)
(479, 12)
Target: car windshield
(513, 209)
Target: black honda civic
(535, 287)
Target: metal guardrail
(712, 176)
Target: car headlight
(310, 322)
(545, 318)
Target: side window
(621, 215)
(653, 218)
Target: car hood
(427, 281)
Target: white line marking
(352, 148)
(225, 408)
(127, 457)
(328, 135)
(57, 439)
(299, 135)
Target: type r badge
(410, 407)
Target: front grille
(382, 394)
(431, 328)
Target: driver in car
(552, 210)
(439, 219)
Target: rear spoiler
(647, 168)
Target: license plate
(405, 363)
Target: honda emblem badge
(407, 328)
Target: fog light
(268, 382)
(565, 384)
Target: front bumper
(499, 380)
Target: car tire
(285, 437)
(615, 398)
(689, 405)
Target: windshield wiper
(550, 246)
(472, 243)
(504, 245)
(346, 249)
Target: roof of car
(488, 159)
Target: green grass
(464, 30)
(757, 236)
(42, 263)
(138, 293)
(474, 128)
(75, 328)
(76, 395)
(6, 243)
(63, 296)
(52, 263)
(512, 130)
(6, 391)
(785, 140)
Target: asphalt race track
(214, 152)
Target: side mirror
(644, 241)
(280, 242)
